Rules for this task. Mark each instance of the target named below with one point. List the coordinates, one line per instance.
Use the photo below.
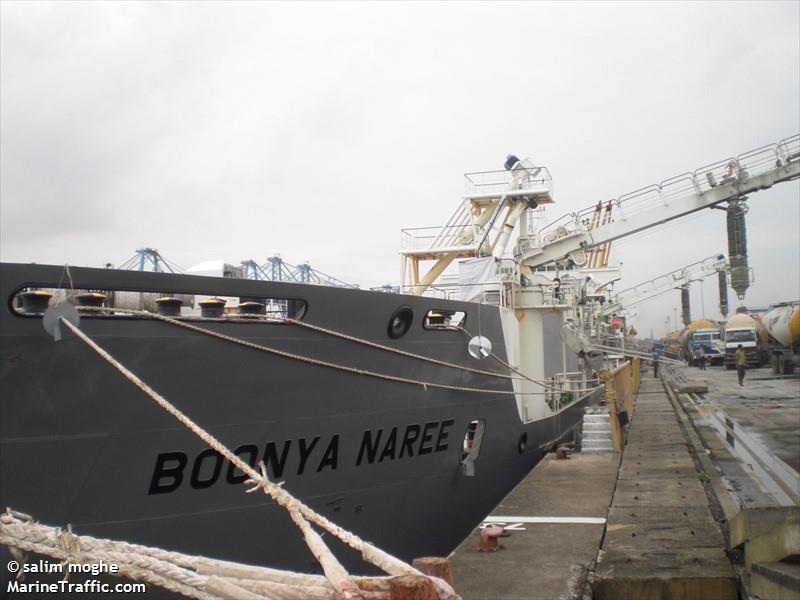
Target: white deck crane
(593, 322)
(726, 181)
(588, 329)
(652, 288)
(496, 203)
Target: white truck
(742, 329)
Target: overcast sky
(318, 130)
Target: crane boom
(731, 179)
(652, 288)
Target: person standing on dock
(655, 363)
(700, 359)
(741, 363)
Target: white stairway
(596, 432)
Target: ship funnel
(723, 293)
(686, 314)
(737, 247)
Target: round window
(400, 322)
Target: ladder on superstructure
(598, 257)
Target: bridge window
(444, 319)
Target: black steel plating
(79, 444)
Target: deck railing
(753, 162)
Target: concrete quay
(748, 440)
(662, 540)
(543, 560)
(651, 533)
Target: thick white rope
(54, 542)
(282, 591)
(223, 568)
(376, 556)
(191, 579)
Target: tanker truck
(703, 334)
(672, 344)
(783, 326)
(743, 329)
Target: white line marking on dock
(514, 520)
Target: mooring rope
(334, 572)
(192, 576)
(545, 384)
(18, 531)
(372, 344)
(331, 332)
(314, 361)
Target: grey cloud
(320, 129)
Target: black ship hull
(79, 444)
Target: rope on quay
(191, 576)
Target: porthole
(400, 322)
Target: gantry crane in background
(149, 259)
(276, 269)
